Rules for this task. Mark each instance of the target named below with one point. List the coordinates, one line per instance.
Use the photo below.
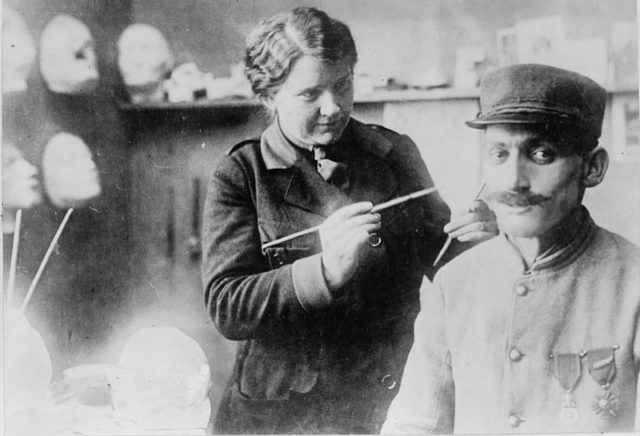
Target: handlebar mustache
(517, 199)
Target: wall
(615, 203)
(399, 39)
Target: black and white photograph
(320, 217)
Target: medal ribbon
(567, 370)
(602, 365)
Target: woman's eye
(309, 95)
(342, 84)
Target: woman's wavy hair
(274, 46)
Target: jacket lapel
(373, 179)
(309, 191)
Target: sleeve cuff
(309, 283)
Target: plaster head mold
(161, 381)
(67, 56)
(145, 60)
(18, 52)
(20, 186)
(70, 176)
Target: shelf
(141, 118)
(396, 96)
(374, 97)
(197, 104)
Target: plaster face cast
(18, 52)
(70, 175)
(67, 56)
(161, 381)
(20, 186)
(28, 368)
(145, 60)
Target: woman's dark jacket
(310, 360)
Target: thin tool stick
(44, 261)
(449, 240)
(14, 256)
(403, 199)
(377, 208)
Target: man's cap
(540, 94)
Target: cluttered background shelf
(379, 96)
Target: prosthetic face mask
(28, 368)
(70, 175)
(176, 366)
(144, 59)
(20, 187)
(67, 56)
(18, 52)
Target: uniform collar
(279, 153)
(569, 240)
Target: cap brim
(481, 124)
(519, 118)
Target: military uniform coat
(492, 332)
(310, 360)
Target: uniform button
(279, 261)
(514, 421)
(515, 355)
(388, 381)
(374, 240)
(522, 290)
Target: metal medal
(567, 370)
(602, 367)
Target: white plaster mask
(177, 368)
(67, 56)
(28, 368)
(20, 186)
(18, 52)
(144, 56)
(70, 175)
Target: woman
(325, 320)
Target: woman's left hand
(477, 224)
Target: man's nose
(517, 173)
(329, 104)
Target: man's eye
(543, 155)
(497, 155)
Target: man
(538, 329)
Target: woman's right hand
(345, 242)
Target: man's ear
(594, 167)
